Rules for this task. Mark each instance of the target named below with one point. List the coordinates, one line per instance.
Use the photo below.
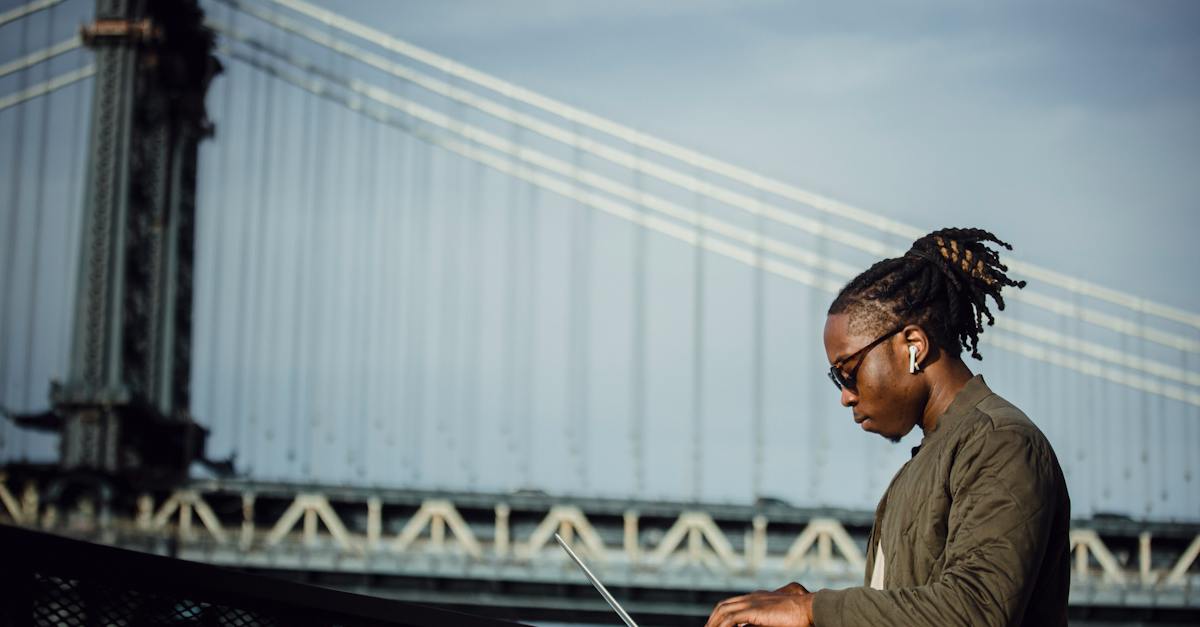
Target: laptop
(596, 582)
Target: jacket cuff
(827, 607)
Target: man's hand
(789, 606)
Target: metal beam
(677, 551)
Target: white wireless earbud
(912, 359)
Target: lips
(858, 418)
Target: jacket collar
(964, 403)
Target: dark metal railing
(51, 580)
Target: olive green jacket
(974, 528)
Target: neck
(947, 380)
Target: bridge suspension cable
(749, 237)
(693, 184)
(26, 9)
(686, 234)
(44, 54)
(710, 164)
(46, 87)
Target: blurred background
(502, 268)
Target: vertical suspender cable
(459, 385)
(524, 316)
(472, 353)
(316, 330)
(361, 302)
(257, 358)
(1088, 457)
(314, 298)
(440, 369)
(576, 415)
(240, 370)
(371, 269)
(1191, 415)
(1147, 435)
(317, 333)
(637, 371)
(407, 298)
(758, 369)
(281, 317)
(1036, 379)
(332, 327)
(10, 248)
(1162, 411)
(586, 347)
(397, 290)
(345, 212)
(698, 354)
(520, 356)
(218, 371)
(1063, 404)
(301, 220)
(411, 301)
(1118, 445)
(37, 248)
(71, 241)
(338, 422)
(571, 330)
(387, 183)
(205, 253)
(418, 296)
(249, 329)
(269, 246)
(449, 370)
(509, 346)
(530, 335)
(343, 420)
(1077, 467)
(584, 379)
(328, 328)
(814, 443)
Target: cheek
(878, 393)
(876, 377)
(872, 399)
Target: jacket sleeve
(1002, 485)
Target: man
(973, 528)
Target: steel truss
(496, 549)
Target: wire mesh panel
(57, 582)
(57, 601)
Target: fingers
(729, 612)
(784, 606)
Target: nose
(849, 398)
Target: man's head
(923, 307)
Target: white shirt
(877, 571)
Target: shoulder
(999, 438)
(996, 421)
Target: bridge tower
(123, 410)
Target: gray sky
(1071, 130)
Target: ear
(915, 336)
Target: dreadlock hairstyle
(941, 284)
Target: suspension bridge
(398, 321)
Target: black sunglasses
(847, 380)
